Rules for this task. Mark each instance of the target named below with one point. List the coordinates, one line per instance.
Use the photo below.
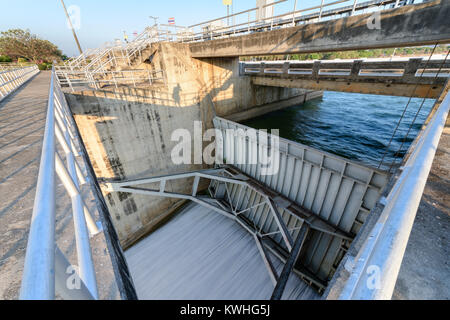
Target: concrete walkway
(22, 123)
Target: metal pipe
(38, 275)
(354, 7)
(320, 12)
(73, 191)
(293, 12)
(86, 265)
(377, 264)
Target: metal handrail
(45, 265)
(377, 264)
(292, 18)
(12, 77)
(97, 78)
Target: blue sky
(105, 20)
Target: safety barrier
(376, 267)
(45, 265)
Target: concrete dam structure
(127, 131)
(263, 217)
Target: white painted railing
(13, 76)
(376, 267)
(45, 265)
(251, 20)
(98, 80)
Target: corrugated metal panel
(338, 190)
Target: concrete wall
(127, 131)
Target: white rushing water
(200, 254)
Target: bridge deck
(418, 77)
(22, 123)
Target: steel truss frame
(225, 175)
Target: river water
(354, 126)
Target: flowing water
(354, 126)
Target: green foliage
(45, 66)
(5, 59)
(18, 43)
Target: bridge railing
(112, 55)
(99, 79)
(254, 19)
(45, 265)
(406, 70)
(12, 76)
(376, 267)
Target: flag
(171, 20)
(227, 2)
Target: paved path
(22, 123)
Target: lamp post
(228, 3)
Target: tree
(5, 59)
(18, 43)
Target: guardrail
(45, 265)
(408, 71)
(99, 79)
(254, 19)
(376, 267)
(109, 56)
(13, 76)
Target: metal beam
(267, 261)
(281, 225)
(283, 256)
(314, 221)
(289, 265)
(366, 87)
(236, 177)
(198, 200)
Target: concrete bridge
(414, 77)
(112, 119)
(412, 25)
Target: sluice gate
(303, 215)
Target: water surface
(354, 126)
